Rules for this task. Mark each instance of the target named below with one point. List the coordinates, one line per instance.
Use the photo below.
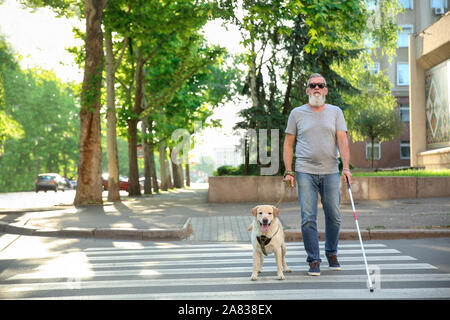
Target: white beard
(316, 101)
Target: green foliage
(204, 166)
(254, 170)
(377, 123)
(341, 166)
(67, 8)
(405, 173)
(286, 41)
(45, 118)
(9, 128)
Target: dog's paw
(254, 277)
(281, 277)
(287, 270)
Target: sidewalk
(186, 214)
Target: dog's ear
(255, 211)
(276, 212)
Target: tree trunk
(163, 170)
(152, 160)
(89, 189)
(134, 188)
(169, 178)
(246, 155)
(372, 147)
(133, 179)
(147, 160)
(111, 121)
(177, 177)
(188, 175)
(253, 75)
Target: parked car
(69, 184)
(123, 182)
(49, 181)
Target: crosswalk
(210, 271)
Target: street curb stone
(291, 235)
(296, 235)
(102, 233)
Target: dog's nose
(265, 220)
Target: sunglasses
(320, 85)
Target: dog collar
(264, 241)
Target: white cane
(360, 238)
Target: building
(429, 58)
(227, 156)
(418, 15)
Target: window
(376, 151)
(404, 111)
(404, 150)
(407, 4)
(402, 74)
(373, 68)
(402, 39)
(438, 4)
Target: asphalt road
(31, 199)
(49, 268)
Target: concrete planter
(270, 188)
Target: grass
(405, 173)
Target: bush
(225, 171)
(340, 165)
(253, 170)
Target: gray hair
(317, 75)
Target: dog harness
(264, 241)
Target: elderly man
(319, 130)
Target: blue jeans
(309, 186)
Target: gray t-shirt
(316, 147)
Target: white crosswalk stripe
(222, 271)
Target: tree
(289, 40)
(44, 113)
(112, 21)
(9, 128)
(89, 188)
(285, 41)
(190, 108)
(164, 33)
(374, 117)
(377, 124)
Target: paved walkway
(186, 213)
(221, 228)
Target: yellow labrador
(267, 237)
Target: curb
(38, 209)
(102, 233)
(184, 232)
(346, 234)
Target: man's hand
(290, 180)
(288, 146)
(347, 175)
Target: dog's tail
(250, 227)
